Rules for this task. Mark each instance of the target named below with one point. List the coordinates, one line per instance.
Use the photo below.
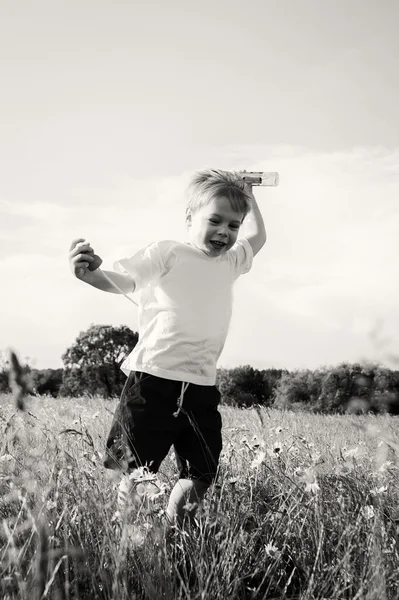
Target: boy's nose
(222, 232)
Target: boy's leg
(197, 449)
(186, 492)
(142, 431)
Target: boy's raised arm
(256, 235)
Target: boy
(170, 397)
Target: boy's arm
(81, 256)
(256, 235)
(124, 281)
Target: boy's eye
(213, 221)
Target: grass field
(306, 506)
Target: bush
(47, 381)
(298, 389)
(245, 386)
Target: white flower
(272, 551)
(275, 451)
(352, 453)
(190, 506)
(317, 458)
(384, 466)
(278, 429)
(380, 490)
(142, 474)
(368, 511)
(156, 490)
(312, 487)
(258, 460)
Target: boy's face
(213, 228)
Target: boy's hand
(82, 258)
(249, 190)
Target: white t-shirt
(185, 308)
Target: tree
(298, 389)
(46, 381)
(92, 363)
(4, 371)
(242, 386)
(271, 377)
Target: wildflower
(275, 451)
(190, 506)
(384, 466)
(272, 551)
(368, 511)
(258, 460)
(142, 474)
(317, 458)
(352, 453)
(312, 487)
(278, 429)
(116, 517)
(232, 480)
(140, 489)
(151, 489)
(158, 489)
(380, 490)
(308, 476)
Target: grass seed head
(18, 382)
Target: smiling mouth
(217, 245)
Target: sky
(107, 108)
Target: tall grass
(306, 506)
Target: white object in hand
(260, 178)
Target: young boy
(170, 397)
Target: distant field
(306, 506)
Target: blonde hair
(211, 183)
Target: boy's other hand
(82, 258)
(249, 191)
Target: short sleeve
(146, 266)
(241, 256)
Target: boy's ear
(188, 216)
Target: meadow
(305, 507)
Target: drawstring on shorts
(184, 387)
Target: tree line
(92, 366)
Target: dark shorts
(144, 427)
